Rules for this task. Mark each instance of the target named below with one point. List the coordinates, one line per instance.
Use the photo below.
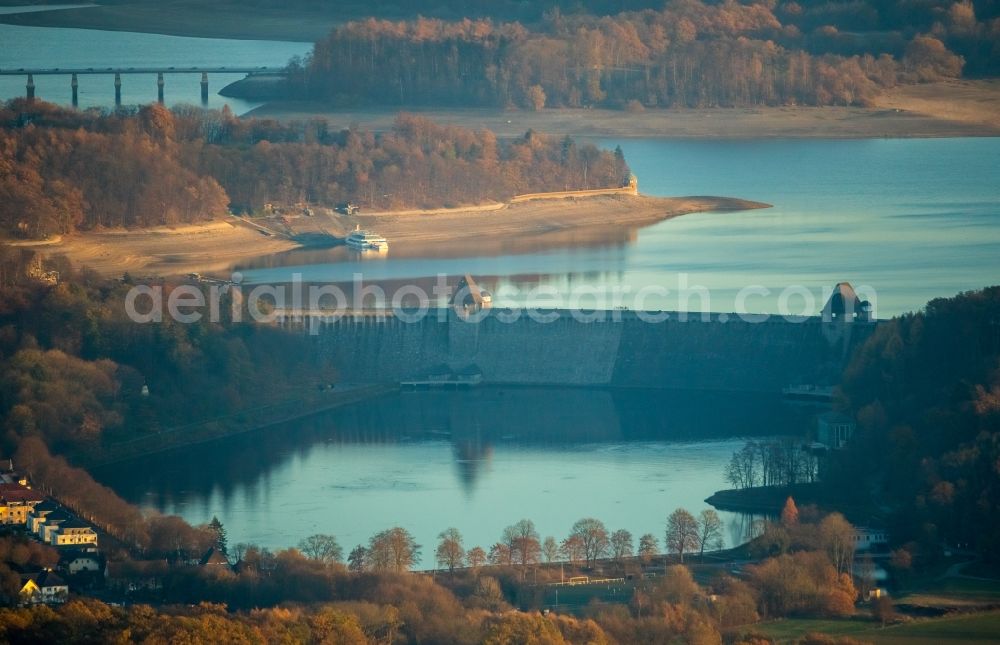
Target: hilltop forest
(926, 392)
(62, 170)
(684, 53)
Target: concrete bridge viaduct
(118, 72)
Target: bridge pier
(30, 88)
(204, 88)
(118, 89)
(159, 87)
(75, 86)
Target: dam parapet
(614, 348)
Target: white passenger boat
(366, 241)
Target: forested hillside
(62, 170)
(686, 53)
(72, 365)
(926, 391)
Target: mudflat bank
(946, 109)
(543, 223)
(204, 247)
(216, 246)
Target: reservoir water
(477, 460)
(911, 219)
(45, 47)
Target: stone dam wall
(721, 353)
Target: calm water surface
(47, 47)
(913, 219)
(477, 460)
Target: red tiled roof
(19, 493)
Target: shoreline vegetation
(422, 185)
(770, 500)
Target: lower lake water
(477, 460)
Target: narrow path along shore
(535, 225)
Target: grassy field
(576, 597)
(967, 628)
(953, 592)
(973, 586)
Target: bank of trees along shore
(72, 366)
(308, 592)
(925, 392)
(685, 53)
(62, 170)
(520, 545)
(783, 462)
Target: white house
(74, 561)
(866, 538)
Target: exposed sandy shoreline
(536, 220)
(208, 247)
(946, 109)
(214, 247)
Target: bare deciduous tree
(836, 535)
(648, 547)
(450, 552)
(550, 549)
(682, 533)
(393, 550)
(593, 536)
(621, 545)
(322, 548)
(475, 557)
(709, 532)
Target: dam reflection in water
(477, 460)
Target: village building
(834, 430)
(73, 562)
(866, 539)
(16, 501)
(213, 558)
(10, 476)
(57, 526)
(73, 532)
(36, 517)
(51, 522)
(43, 587)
